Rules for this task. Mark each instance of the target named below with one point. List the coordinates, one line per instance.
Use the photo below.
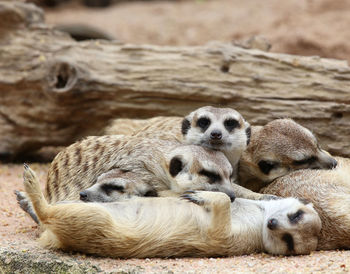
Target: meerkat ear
(248, 132)
(175, 166)
(185, 126)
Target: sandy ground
(18, 231)
(305, 27)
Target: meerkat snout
(272, 223)
(216, 135)
(83, 196)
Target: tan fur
(281, 142)
(171, 227)
(329, 191)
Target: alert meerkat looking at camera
(329, 191)
(277, 149)
(109, 168)
(200, 224)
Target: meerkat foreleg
(218, 206)
(242, 192)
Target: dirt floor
(19, 232)
(305, 27)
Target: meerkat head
(197, 168)
(216, 128)
(291, 226)
(281, 147)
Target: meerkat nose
(333, 163)
(83, 195)
(272, 224)
(216, 135)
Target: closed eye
(108, 188)
(213, 177)
(309, 160)
(296, 217)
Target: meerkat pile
(210, 149)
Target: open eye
(109, 188)
(266, 166)
(231, 124)
(296, 217)
(308, 160)
(203, 123)
(213, 177)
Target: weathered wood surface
(55, 90)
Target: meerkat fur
(329, 191)
(200, 224)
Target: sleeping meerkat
(329, 191)
(278, 148)
(118, 166)
(200, 224)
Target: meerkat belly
(168, 227)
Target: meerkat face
(290, 227)
(216, 128)
(197, 168)
(283, 146)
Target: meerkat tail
(32, 188)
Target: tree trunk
(55, 90)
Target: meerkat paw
(267, 197)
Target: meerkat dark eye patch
(267, 166)
(306, 161)
(175, 166)
(296, 217)
(109, 188)
(203, 123)
(288, 239)
(231, 124)
(185, 126)
(213, 177)
(248, 132)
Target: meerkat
(221, 129)
(113, 167)
(277, 149)
(199, 224)
(329, 191)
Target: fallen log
(55, 90)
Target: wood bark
(55, 90)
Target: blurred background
(304, 27)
